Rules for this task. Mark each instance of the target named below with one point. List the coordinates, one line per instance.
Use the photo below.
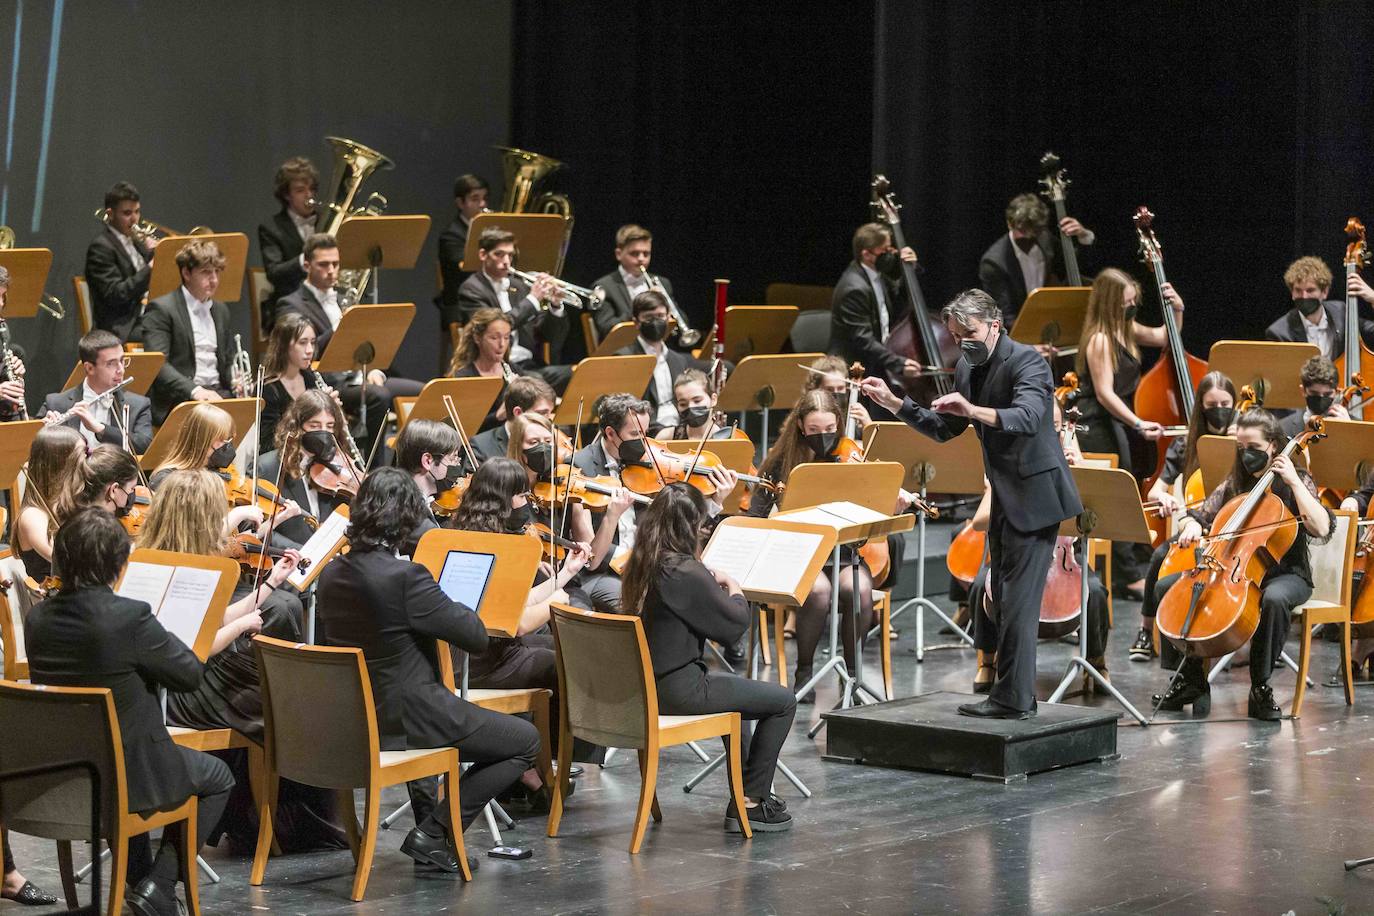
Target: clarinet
(353, 452)
(10, 365)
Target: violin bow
(257, 446)
(271, 522)
(701, 447)
(572, 471)
(123, 424)
(458, 425)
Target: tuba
(524, 170)
(353, 164)
(48, 303)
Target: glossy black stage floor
(1230, 817)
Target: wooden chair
(1332, 565)
(321, 730)
(81, 292)
(804, 296)
(79, 723)
(15, 601)
(259, 293)
(590, 335)
(607, 695)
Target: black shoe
(31, 895)
(431, 850)
(799, 679)
(1143, 649)
(777, 802)
(1262, 705)
(148, 898)
(1183, 692)
(736, 654)
(765, 817)
(991, 709)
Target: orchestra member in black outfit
(1321, 386)
(684, 603)
(310, 432)
(100, 419)
(1313, 318)
(1004, 389)
(525, 394)
(1028, 256)
(634, 247)
(651, 317)
(86, 636)
(394, 611)
(282, 240)
(119, 265)
(470, 198)
(868, 303)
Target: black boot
(1190, 688)
(1262, 705)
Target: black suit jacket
(677, 363)
(999, 273)
(1022, 457)
(615, 308)
(393, 610)
(91, 637)
(305, 302)
(116, 288)
(140, 417)
(453, 241)
(533, 326)
(1289, 328)
(167, 329)
(491, 444)
(855, 332)
(281, 245)
(591, 461)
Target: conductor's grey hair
(969, 306)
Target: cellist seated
(1286, 585)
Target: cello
(1357, 255)
(917, 336)
(1166, 393)
(1214, 608)
(1053, 180)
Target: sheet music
(835, 515)
(733, 549)
(325, 539)
(146, 582)
(188, 598)
(784, 557)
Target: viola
(338, 478)
(568, 484)
(1214, 607)
(138, 511)
(447, 502)
(247, 549)
(1357, 255)
(660, 467)
(1053, 180)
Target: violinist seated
(432, 454)
(483, 351)
(287, 374)
(191, 515)
(108, 478)
(650, 311)
(524, 394)
(868, 303)
(1285, 586)
(193, 331)
(1312, 317)
(1214, 414)
(310, 468)
(536, 313)
(695, 397)
(95, 408)
(1108, 367)
(1028, 256)
(1321, 392)
(11, 366)
(836, 380)
(54, 458)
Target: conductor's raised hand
(952, 403)
(877, 391)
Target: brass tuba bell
(524, 170)
(353, 164)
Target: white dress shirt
(207, 344)
(1032, 265)
(634, 284)
(99, 411)
(875, 280)
(662, 382)
(518, 353)
(329, 301)
(312, 496)
(132, 250)
(625, 527)
(1322, 333)
(305, 225)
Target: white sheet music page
(733, 549)
(325, 539)
(187, 601)
(783, 559)
(146, 582)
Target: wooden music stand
(1342, 459)
(735, 454)
(1277, 366)
(752, 330)
(14, 451)
(379, 242)
(598, 375)
(955, 466)
(623, 335)
(368, 336)
(508, 584)
(1112, 511)
(244, 412)
(28, 269)
(758, 381)
(1216, 455)
(1052, 315)
(472, 398)
(539, 239)
(166, 276)
(213, 615)
(140, 365)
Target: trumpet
(687, 335)
(146, 231)
(572, 296)
(48, 303)
(241, 370)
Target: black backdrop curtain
(1245, 127)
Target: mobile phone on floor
(510, 852)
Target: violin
(338, 478)
(568, 484)
(247, 549)
(544, 534)
(660, 467)
(138, 511)
(1214, 607)
(239, 490)
(447, 502)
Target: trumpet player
(282, 239)
(534, 327)
(634, 247)
(95, 408)
(119, 262)
(192, 329)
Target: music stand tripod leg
(836, 661)
(920, 601)
(860, 688)
(1080, 661)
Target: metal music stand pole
(925, 473)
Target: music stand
(735, 454)
(623, 335)
(472, 398)
(757, 381)
(1276, 366)
(1111, 511)
(539, 239)
(228, 572)
(28, 269)
(367, 335)
(376, 242)
(1053, 315)
(1342, 458)
(166, 276)
(1216, 455)
(599, 375)
(956, 467)
(244, 412)
(140, 365)
(14, 451)
(751, 329)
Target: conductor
(1004, 388)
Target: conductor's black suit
(1032, 492)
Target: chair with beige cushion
(1332, 566)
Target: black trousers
(1280, 592)
(1019, 561)
(985, 630)
(1149, 603)
(213, 782)
(693, 691)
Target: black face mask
(1308, 307)
(452, 474)
(1319, 404)
(222, 457)
(519, 519)
(1218, 419)
(319, 443)
(823, 444)
(1025, 243)
(889, 264)
(653, 329)
(631, 451)
(696, 417)
(976, 351)
(537, 459)
(1253, 460)
(1129, 312)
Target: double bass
(1349, 363)
(917, 336)
(1054, 181)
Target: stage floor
(1227, 817)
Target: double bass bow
(1053, 180)
(1349, 363)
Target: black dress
(469, 370)
(1104, 432)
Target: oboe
(353, 452)
(11, 370)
